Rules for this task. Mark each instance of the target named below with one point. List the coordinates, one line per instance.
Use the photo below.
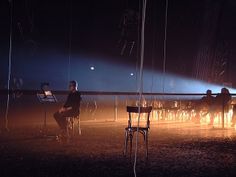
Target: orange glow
(187, 116)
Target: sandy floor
(180, 150)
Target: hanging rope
(138, 44)
(9, 65)
(164, 48)
(153, 51)
(140, 79)
(70, 40)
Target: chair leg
(146, 143)
(79, 127)
(131, 144)
(72, 127)
(126, 142)
(67, 128)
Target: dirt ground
(175, 150)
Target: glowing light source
(92, 68)
(131, 74)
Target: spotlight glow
(110, 75)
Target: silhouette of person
(71, 107)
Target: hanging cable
(138, 44)
(153, 51)
(70, 41)
(9, 64)
(164, 47)
(140, 80)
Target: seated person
(71, 107)
(208, 105)
(205, 105)
(222, 102)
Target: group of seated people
(212, 105)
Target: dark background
(41, 41)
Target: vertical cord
(164, 50)
(138, 43)
(70, 40)
(9, 64)
(153, 52)
(141, 81)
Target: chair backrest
(141, 110)
(135, 109)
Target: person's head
(224, 90)
(209, 92)
(73, 85)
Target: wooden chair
(73, 126)
(130, 130)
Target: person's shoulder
(203, 98)
(78, 92)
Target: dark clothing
(207, 100)
(205, 105)
(73, 100)
(61, 118)
(222, 101)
